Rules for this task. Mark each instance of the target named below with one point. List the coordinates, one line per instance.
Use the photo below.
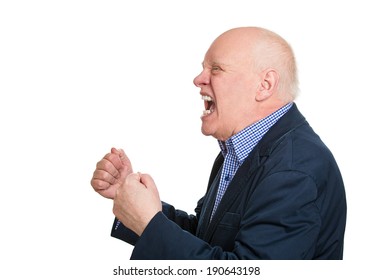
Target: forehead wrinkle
(213, 62)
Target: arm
(280, 221)
(181, 218)
(184, 220)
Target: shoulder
(303, 150)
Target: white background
(79, 77)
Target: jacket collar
(290, 121)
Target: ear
(268, 84)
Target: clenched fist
(137, 202)
(110, 173)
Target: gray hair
(272, 51)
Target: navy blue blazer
(286, 201)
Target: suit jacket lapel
(233, 191)
(208, 204)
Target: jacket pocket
(226, 231)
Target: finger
(109, 193)
(147, 180)
(132, 183)
(149, 183)
(134, 177)
(99, 185)
(115, 151)
(105, 177)
(122, 155)
(125, 162)
(110, 163)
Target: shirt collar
(243, 142)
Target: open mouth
(209, 105)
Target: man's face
(228, 87)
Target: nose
(202, 79)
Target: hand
(137, 202)
(111, 172)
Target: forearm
(163, 239)
(181, 218)
(123, 233)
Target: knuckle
(100, 185)
(105, 164)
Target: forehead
(228, 50)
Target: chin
(208, 132)
(205, 131)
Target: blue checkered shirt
(237, 148)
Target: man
(275, 190)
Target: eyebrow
(213, 63)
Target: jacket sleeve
(281, 220)
(182, 219)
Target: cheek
(234, 108)
(233, 93)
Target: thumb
(116, 151)
(122, 155)
(148, 181)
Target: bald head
(265, 50)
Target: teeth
(207, 112)
(206, 98)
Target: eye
(215, 68)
